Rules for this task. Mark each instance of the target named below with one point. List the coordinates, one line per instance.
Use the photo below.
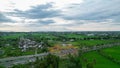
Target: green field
(101, 62)
(92, 42)
(113, 52)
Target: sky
(59, 15)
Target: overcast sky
(59, 15)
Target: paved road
(21, 59)
(87, 49)
(30, 58)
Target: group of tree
(50, 61)
(74, 62)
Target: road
(20, 60)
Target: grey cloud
(46, 22)
(95, 10)
(37, 12)
(3, 18)
(41, 23)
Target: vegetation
(93, 42)
(49, 61)
(74, 62)
(97, 61)
(113, 52)
(58, 41)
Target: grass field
(92, 42)
(113, 52)
(101, 62)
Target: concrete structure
(24, 44)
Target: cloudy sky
(59, 15)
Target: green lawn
(113, 52)
(92, 42)
(101, 62)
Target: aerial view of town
(59, 33)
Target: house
(25, 44)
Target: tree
(53, 61)
(20, 66)
(2, 66)
(50, 61)
(74, 62)
(90, 65)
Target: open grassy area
(92, 42)
(114, 52)
(101, 62)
